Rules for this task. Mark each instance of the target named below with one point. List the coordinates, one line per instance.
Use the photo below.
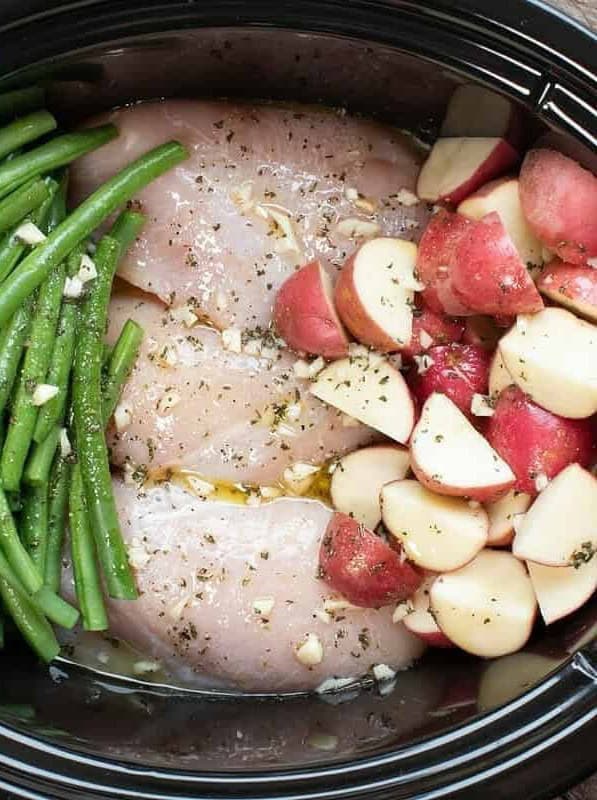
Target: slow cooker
(522, 726)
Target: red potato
(375, 292)
(449, 456)
(503, 197)
(487, 607)
(503, 516)
(476, 111)
(488, 274)
(571, 286)
(457, 370)
(362, 567)
(562, 590)
(420, 622)
(435, 261)
(305, 316)
(482, 331)
(431, 328)
(559, 201)
(536, 443)
(457, 166)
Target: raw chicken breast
(230, 416)
(229, 592)
(263, 191)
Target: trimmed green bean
(57, 505)
(33, 372)
(41, 457)
(120, 366)
(33, 270)
(87, 582)
(91, 443)
(126, 229)
(25, 130)
(11, 248)
(21, 101)
(25, 199)
(33, 525)
(61, 362)
(11, 348)
(53, 154)
(32, 624)
(56, 608)
(14, 551)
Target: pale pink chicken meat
(207, 240)
(230, 416)
(230, 592)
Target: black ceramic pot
(523, 726)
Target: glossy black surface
(448, 729)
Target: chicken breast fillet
(264, 190)
(230, 592)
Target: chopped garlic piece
(308, 370)
(322, 741)
(407, 198)
(310, 651)
(280, 217)
(322, 616)
(198, 486)
(334, 685)
(169, 401)
(425, 339)
(402, 610)
(232, 340)
(184, 314)
(383, 673)
(263, 606)
(481, 406)
(366, 204)
(65, 446)
(423, 363)
(87, 270)
(29, 233)
(355, 228)
(541, 482)
(299, 471)
(42, 393)
(351, 193)
(73, 288)
(242, 197)
(333, 604)
(270, 492)
(293, 412)
(146, 667)
(138, 554)
(122, 417)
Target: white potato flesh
(562, 590)
(499, 377)
(552, 356)
(559, 528)
(436, 532)
(488, 606)
(504, 514)
(358, 478)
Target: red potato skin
(503, 159)
(559, 201)
(488, 275)
(535, 442)
(482, 331)
(362, 567)
(435, 261)
(442, 329)
(566, 283)
(305, 317)
(355, 316)
(458, 371)
(484, 495)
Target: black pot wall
(455, 727)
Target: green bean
(126, 229)
(14, 551)
(33, 372)
(120, 366)
(11, 348)
(20, 101)
(61, 362)
(33, 525)
(11, 248)
(56, 608)
(53, 154)
(91, 444)
(25, 130)
(41, 457)
(33, 270)
(15, 207)
(32, 624)
(87, 582)
(57, 503)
